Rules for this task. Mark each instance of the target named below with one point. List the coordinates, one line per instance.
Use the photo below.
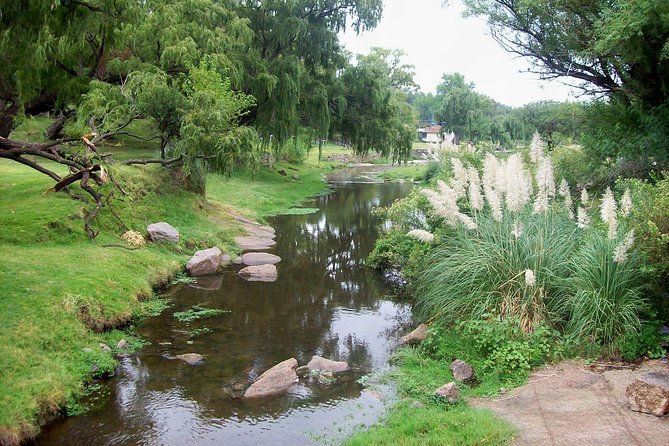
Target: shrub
(397, 250)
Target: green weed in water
(197, 312)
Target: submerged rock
(462, 371)
(449, 392)
(416, 336)
(191, 358)
(162, 232)
(260, 258)
(323, 364)
(204, 262)
(261, 273)
(649, 393)
(276, 380)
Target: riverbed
(325, 302)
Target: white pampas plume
(582, 218)
(445, 205)
(494, 202)
(475, 197)
(530, 278)
(545, 185)
(517, 183)
(421, 235)
(490, 171)
(536, 148)
(517, 230)
(620, 253)
(584, 197)
(460, 177)
(568, 202)
(608, 210)
(626, 204)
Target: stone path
(260, 264)
(574, 404)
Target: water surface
(325, 302)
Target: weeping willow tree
(109, 63)
(292, 63)
(372, 112)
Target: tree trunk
(7, 115)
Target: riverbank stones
(260, 273)
(204, 262)
(162, 232)
(276, 380)
(260, 258)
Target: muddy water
(325, 302)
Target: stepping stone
(261, 273)
(260, 258)
(252, 243)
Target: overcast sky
(439, 40)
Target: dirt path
(575, 404)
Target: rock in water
(416, 336)
(261, 273)
(649, 393)
(462, 371)
(253, 243)
(449, 392)
(260, 258)
(204, 262)
(191, 358)
(162, 232)
(276, 380)
(318, 363)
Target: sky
(438, 40)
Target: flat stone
(449, 392)
(191, 358)
(416, 336)
(649, 393)
(261, 273)
(260, 258)
(323, 364)
(260, 231)
(462, 371)
(253, 243)
(204, 262)
(162, 232)
(276, 380)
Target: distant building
(430, 133)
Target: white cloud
(439, 40)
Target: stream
(325, 302)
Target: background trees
(616, 49)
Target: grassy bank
(63, 295)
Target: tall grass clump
(512, 244)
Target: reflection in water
(325, 302)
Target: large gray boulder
(260, 258)
(649, 393)
(276, 380)
(162, 232)
(416, 336)
(449, 392)
(327, 365)
(204, 262)
(462, 371)
(260, 273)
